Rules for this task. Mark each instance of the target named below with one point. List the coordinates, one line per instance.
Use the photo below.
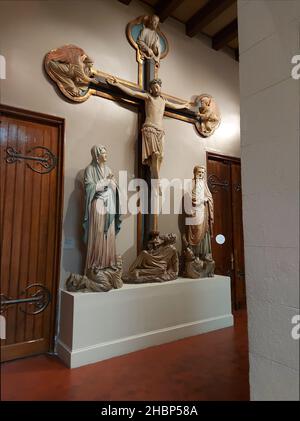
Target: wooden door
(31, 164)
(224, 180)
(238, 235)
(218, 178)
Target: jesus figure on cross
(152, 130)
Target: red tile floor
(211, 366)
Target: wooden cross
(145, 222)
(72, 70)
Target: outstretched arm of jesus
(136, 94)
(178, 106)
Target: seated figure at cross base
(193, 266)
(96, 280)
(158, 263)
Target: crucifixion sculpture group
(73, 72)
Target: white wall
(29, 29)
(270, 108)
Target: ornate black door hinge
(214, 183)
(39, 299)
(46, 159)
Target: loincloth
(153, 139)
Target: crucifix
(73, 72)
(152, 130)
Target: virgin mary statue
(102, 214)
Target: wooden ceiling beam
(226, 35)
(236, 54)
(125, 1)
(205, 15)
(164, 8)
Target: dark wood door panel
(218, 175)
(238, 240)
(31, 210)
(224, 180)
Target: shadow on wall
(74, 248)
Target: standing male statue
(152, 131)
(196, 240)
(199, 232)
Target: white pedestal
(97, 326)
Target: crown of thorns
(153, 81)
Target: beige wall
(270, 109)
(29, 29)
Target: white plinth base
(97, 326)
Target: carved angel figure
(71, 68)
(209, 119)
